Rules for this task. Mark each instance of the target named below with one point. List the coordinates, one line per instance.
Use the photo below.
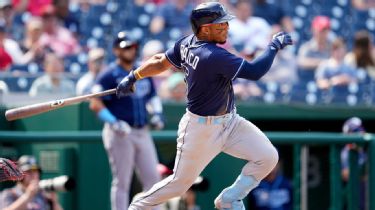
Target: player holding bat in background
(210, 125)
(126, 136)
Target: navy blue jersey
(131, 109)
(209, 72)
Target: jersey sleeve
(226, 63)
(103, 82)
(174, 54)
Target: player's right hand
(126, 86)
(121, 128)
(281, 40)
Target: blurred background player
(273, 193)
(26, 195)
(354, 126)
(126, 136)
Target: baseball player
(126, 137)
(210, 124)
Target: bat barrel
(30, 110)
(27, 111)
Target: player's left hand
(157, 121)
(122, 128)
(281, 40)
(126, 86)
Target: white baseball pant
(200, 139)
(134, 151)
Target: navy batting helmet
(209, 12)
(124, 39)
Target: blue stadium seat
(19, 84)
(308, 93)
(272, 92)
(305, 75)
(15, 67)
(340, 95)
(298, 93)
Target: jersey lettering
(188, 57)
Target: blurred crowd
(58, 47)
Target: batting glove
(126, 86)
(157, 121)
(121, 128)
(280, 40)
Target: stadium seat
(342, 95)
(19, 84)
(15, 67)
(308, 93)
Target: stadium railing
(299, 141)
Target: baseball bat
(34, 109)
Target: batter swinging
(211, 124)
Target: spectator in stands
(5, 58)
(248, 31)
(26, 195)
(94, 2)
(283, 69)
(67, 19)
(316, 49)
(31, 41)
(363, 4)
(10, 51)
(32, 6)
(173, 14)
(53, 82)
(149, 49)
(362, 54)
(7, 14)
(57, 37)
(274, 15)
(246, 90)
(333, 71)
(274, 192)
(173, 88)
(95, 65)
(139, 14)
(351, 126)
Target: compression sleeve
(106, 116)
(256, 69)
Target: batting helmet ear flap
(209, 12)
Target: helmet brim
(226, 18)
